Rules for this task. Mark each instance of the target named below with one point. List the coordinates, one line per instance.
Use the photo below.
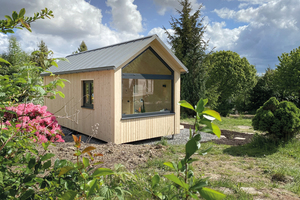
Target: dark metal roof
(105, 58)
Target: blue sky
(260, 30)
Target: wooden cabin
(120, 93)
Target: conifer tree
(190, 48)
(15, 56)
(43, 54)
(82, 47)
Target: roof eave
(82, 70)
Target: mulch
(230, 135)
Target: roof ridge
(121, 43)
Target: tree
(229, 75)
(82, 47)
(287, 75)
(15, 56)
(41, 55)
(189, 47)
(263, 90)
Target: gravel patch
(178, 139)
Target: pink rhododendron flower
(30, 117)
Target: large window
(88, 94)
(147, 86)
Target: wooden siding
(145, 128)
(128, 130)
(72, 115)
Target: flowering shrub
(34, 118)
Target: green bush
(279, 120)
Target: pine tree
(82, 47)
(15, 56)
(190, 48)
(43, 54)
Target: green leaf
(47, 156)
(1, 178)
(210, 194)
(92, 185)
(88, 149)
(213, 114)
(47, 164)
(199, 184)
(8, 18)
(62, 95)
(22, 13)
(169, 164)
(191, 147)
(4, 61)
(155, 180)
(60, 83)
(194, 196)
(176, 180)
(216, 130)
(86, 162)
(31, 163)
(201, 105)
(45, 145)
(102, 172)
(65, 170)
(204, 152)
(70, 195)
(54, 63)
(27, 194)
(15, 15)
(184, 103)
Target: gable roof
(105, 58)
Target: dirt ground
(133, 156)
(129, 155)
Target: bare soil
(134, 155)
(129, 155)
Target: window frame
(148, 77)
(85, 104)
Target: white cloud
(270, 29)
(125, 15)
(222, 38)
(172, 5)
(73, 22)
(3, 42)
(160, 32)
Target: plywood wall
(128, 130)
(70, 113)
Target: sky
(260, 30)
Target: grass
(229, 123)
(250, 167)
(268, 168)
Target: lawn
(251, 171)
(240, 124)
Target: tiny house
(120, 93)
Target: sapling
(184, 180)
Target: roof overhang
(81, 70)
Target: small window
(88, 94)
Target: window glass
(147, 63)
(146, 95)
(88, 94)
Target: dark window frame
(150, 76)
(85, 104)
